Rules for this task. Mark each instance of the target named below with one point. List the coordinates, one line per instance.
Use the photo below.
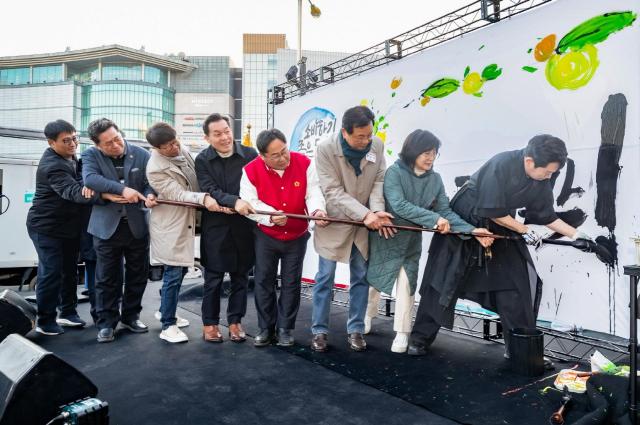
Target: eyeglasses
(170, 144)
(71, 140)
(276, 156)
(112, 142)
(433, 154)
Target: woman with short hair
(414, 195)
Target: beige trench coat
(172, 229)
(348, 196)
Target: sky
(207, 28)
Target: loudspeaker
(16, 314)
(34, 383)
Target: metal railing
(573, 346)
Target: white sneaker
(173, 334)
(400, 342)
(180, 321)
(367, 324)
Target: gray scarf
(187, 166)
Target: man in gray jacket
(351, 167)
(116, 169)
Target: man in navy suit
(117, 170)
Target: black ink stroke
(567, 190)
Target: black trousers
(109, 278)
(513, 310)
(282, 311)
(57, 275)
(237, 302)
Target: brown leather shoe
(357, 342)
(236, 334)
(319, 343)
(211, 333)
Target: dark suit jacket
(100, 175)
(226, 243)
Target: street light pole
(315, 12)
(299, 30)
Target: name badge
(371, 157)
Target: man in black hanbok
(507, 281)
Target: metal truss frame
(477, 14)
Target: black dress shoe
(264, 338)
(106, 335)
(416, 349)
(135, 326)
(285, 339)
(357, 342)
(319, 343)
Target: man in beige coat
(351, 167)
(171, 174)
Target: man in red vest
(279, 180)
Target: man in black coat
(55, 222)
(226, 243)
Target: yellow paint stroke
(572, 70)
(425, 100)
(395, 83)
(364, 102)
(472, 83)
(382, 135)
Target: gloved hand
(532, 238)
(581, 235)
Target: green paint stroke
(441, 88)
(529, 68)
(389, 152)
(491, 72)
(466, 70)
(595, 30)
(529, 51)
(481, 47)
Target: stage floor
(149, 381)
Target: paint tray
(574, 380)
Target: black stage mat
(462, 378)
(148, 381)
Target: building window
(155, 75)
(14, 76)
(83, 74)
(47, 74)
(122, 71)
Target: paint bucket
(526, 348)
(637, 242)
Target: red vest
(286, 193)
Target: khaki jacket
(347, 196)
(172, 228)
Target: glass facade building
(132, 87)
(133, 106)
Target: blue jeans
(171, 281)
(358, 293)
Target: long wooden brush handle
(341, 220)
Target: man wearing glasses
(54, 223)
(279, 180)
(117, 170)
(351, 168)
